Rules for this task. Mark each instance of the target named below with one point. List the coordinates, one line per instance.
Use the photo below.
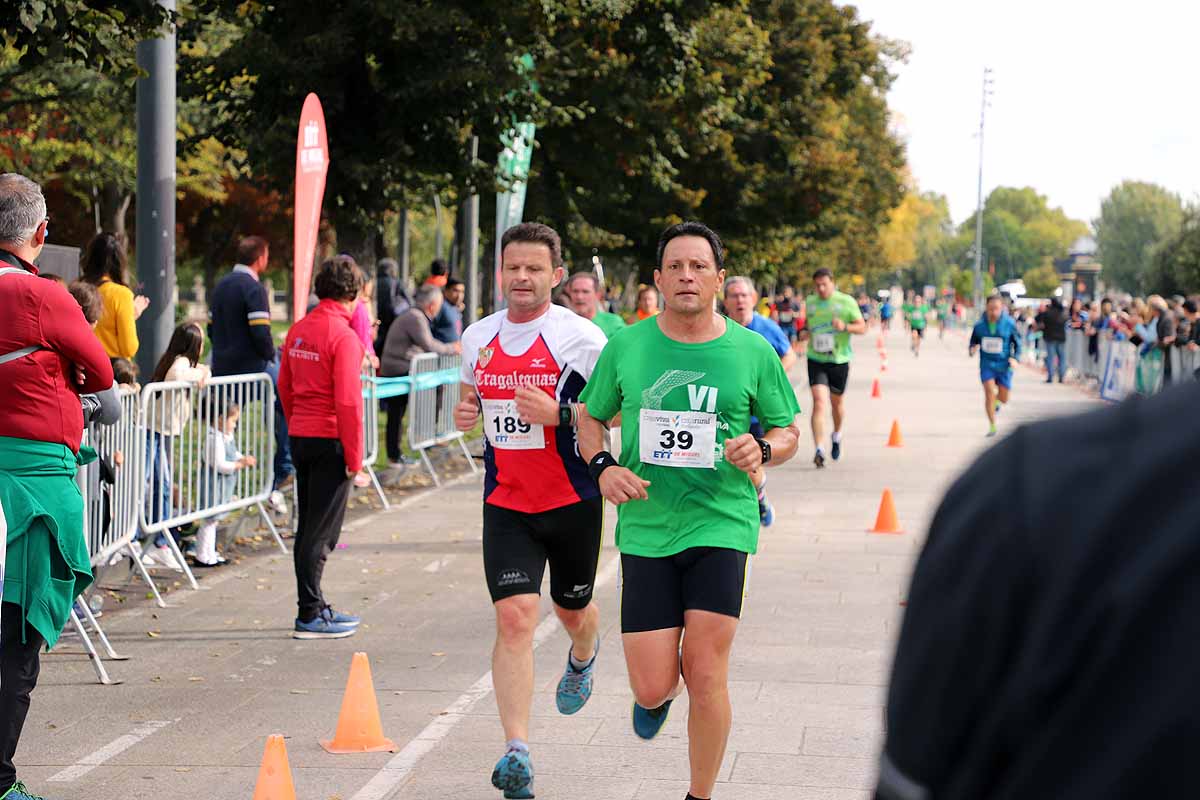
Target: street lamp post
(987, 92)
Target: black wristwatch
(766, 449)
(565, 415)
(600, 462)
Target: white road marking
(403, 763)
(111, 750)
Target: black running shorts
(517, 545)
(656, 591)
(832, 375)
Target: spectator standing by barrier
(240, 329)
(410, 335)
(1052, 322)
(48, 354)
(438, 274)
(180, 362)
(447, 325)
(320, 388)
(222, 462)
(104, 267)
(391, 300)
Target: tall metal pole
(405, 250)
(471, 223)
(978, 298)
(156, 193)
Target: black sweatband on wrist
(600, 462)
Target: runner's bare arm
(617, 484)
(745, 454)
(788, 360)
(466, 413)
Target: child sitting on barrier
(222, 461)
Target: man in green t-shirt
(833, 317)
(583, 292)
(686, 384)
(917, 320)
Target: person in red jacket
(321, 393)
(48, 357)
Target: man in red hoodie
(321, 393)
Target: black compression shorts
(832, 375)
(517, 545)
(656, 591)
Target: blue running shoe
(766, 512)
(19, 792)
(576, 685)
(338, 618)
(835, 452)
(647, 722)
(513, 774)
(321, 628)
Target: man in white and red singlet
(523, 370)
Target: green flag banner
(514, 170)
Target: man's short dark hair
(823, 272)
(994, 296)
(1189, 306)
(692, 228)
(250, 249)
(535, 233)
(438, 267)
(89, 300)
(583, 276)
(338, 279)
(452, 283)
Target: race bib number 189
(678, 438)
(506, 431)
(993, 345)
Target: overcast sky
(1087, 94)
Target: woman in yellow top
(104, 267)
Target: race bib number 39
(678, 438)
(993, 345)
(506, 431)
(823, 342)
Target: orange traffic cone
(895, 439)
(879, 342)
(875, 392)
(885, 521)
(883, 362)
(359, 729)
(275, 776)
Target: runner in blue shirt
(740, 299)
(999, 343)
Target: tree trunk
(364, 244)
(114, 205)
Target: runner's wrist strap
(600, 462)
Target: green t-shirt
(727, 380)
(821, 314)
(609, 323)
(916, 316)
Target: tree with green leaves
(1175, 265)
(1134, 218)
(1020, 231)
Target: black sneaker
(835, 452)
(819, 460)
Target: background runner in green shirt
(583, 293)
(833, 317)
(917, 321)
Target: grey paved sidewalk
(211, 677)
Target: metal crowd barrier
(434, 388)
(181, 426)
(370, 392)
